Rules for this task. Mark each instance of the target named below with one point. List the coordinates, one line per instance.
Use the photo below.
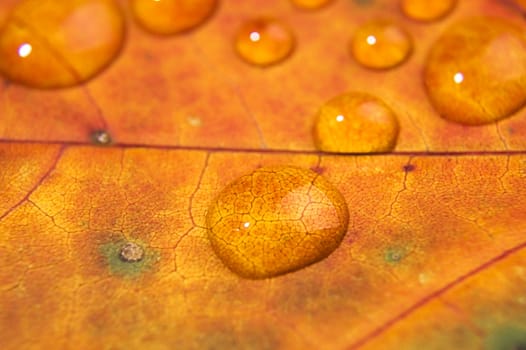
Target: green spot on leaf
(394, 255)
(112, 252)
(506, 338)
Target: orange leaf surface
(445, 240)
(191, 90)
(434, 255)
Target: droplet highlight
(167, 17)
(380, 44)
(25, 50)
(427, 10)
(355, 122)
(264, 41)
(476, 73)
(53, 44)
(310, 4)
(276, 220)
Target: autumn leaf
(181, 77)
(444, 240)
(434, 254)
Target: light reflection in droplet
(254, 36)
(380, 44)
(355, 122)
(25, 50)
(246, 224)
(458, 78)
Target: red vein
(52, 167)
(190, 204)
(270, 150)
(422, 302)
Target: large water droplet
(310, 4)
(171, 16)
(355, 122)
(381, 44)
(48, 44)
(427, 10)
(276, 220)
(264, 41)
(476, 71)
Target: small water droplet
(171, 16)
(355, 123)
(381, 44)
(427, 10)
(52, 44)
(475, 72)
(276, 220)
(131, 252)
(311, 4)
(264, 41)
(101, 137)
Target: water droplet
(475, 73)
(381, 44)
(131, 252)
(355, 122)
(276, 220)
(171, 16)
(310, 4)
(264, 41)
(427, 10)
(50, 44)
(101, 137)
